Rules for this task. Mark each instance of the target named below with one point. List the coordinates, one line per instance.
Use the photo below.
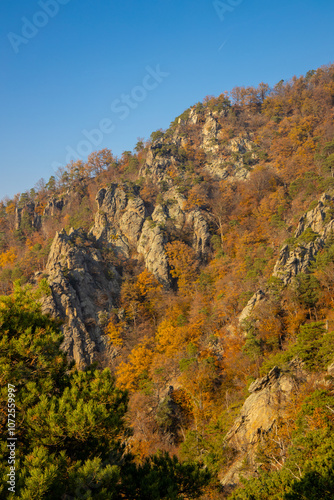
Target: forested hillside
(193, 281)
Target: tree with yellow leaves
(184, 266)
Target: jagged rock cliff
(295, 259)
(84, 287)
(260, 413)
(83, 290)
(125, 224)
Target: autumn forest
(167, 316)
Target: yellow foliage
(171, 338)
(114, 332)
(147, 283)
(29, 244)
(10, 208)
(8, 257)
(172, 172)
(183, 265)
(128, 375)
(195, 200)
(40, 208)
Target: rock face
(28, 216)
(119, 219)
(258, 416)
(123, 223)
(226, 161)
(315, 218)
(297, 260)
(120, 223)
(54, 206)
(83, 289)
(293, 261)
(253, 302)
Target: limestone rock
(253, 301)
(259, 414)
(28, 215)
(152, 246)
(297, 260)
(314, 219)
(54, 206)
(83, 289)
(201, 233)
(119, 218)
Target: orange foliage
(131, 373)
(183, 265)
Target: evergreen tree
(70, 425)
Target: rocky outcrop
(253, 302)
(54, 206)
(295, 259)
(258, 416)
(119, 219)
(201, 233)
(27, 216)
(152, 246)
(84, 286)
(123, 223)
(315, 219)
(83, 290)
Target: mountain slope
(195, 266)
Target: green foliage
(327, 157)
(155, 136)
(308, 289)
(70, 424)
(326, 256)
(307, 236)
(82, 217)
(164, 477)
(314, 346)
(209, 445)
(253, 345)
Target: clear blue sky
(65, 67)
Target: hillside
(199, 269)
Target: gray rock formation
(315, 219)
(122, 222)
(259, 415)
(201, 233)
(295, 260)
(253, 302)
(54, 206)
(83, 290)
(152, 246)
(27, 215)
(119, 219)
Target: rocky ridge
(316, 225)
(261, 412)
(83, 290)
(84, 287)
(295, 259)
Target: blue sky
(81, 75)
